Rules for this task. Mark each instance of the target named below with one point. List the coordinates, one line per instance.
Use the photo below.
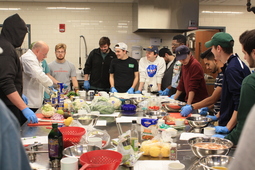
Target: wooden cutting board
(176, 116)
(39, 115)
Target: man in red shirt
(192, 79)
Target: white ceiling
(202, 2)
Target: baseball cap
(181, 52)
(163, 51)
(152, 49)
(121, 46)
(220, 38)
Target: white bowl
(209, 131)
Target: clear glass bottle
(134, 136)
(55, 143)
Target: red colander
(71, 135)
(100, 160)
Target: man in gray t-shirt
(61, 69)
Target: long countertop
(184, 153)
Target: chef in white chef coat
(34, 79)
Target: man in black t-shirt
(123, 71)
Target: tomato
(154, 107)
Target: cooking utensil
(103, 159)
(158, 113)
(77, 150)
(198, 122)
(50, 120)
(71, 135)
(88, 120)
(171, 107)
(212, 161)
(201, 152)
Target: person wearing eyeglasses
(62, 70)
(177, 41)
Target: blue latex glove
(30, 115)
(131, 90)
(172, 97)
(186, 110)
(138, 92)
(65, 86)
(214, 118)
(52, 89)
(204, 111)
(160, 92)
(24, 99)
(221, 129)
(113, 90)
(165, 92)
(219, 136)
(86, 85)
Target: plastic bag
(155, 148)
(124, 147)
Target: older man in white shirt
(34, 79)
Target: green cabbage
(104, 107)
(115, 101)
(80, 104)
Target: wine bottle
(55, 143)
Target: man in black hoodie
(12, 35)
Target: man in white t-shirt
(62, 70)
(151, 70)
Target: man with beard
(177, 41)
(214, 66)
(12, 35)
(96, 71)
(247, 99)
(171, 76)
(62, 70)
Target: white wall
(235, 24)
(109, 19)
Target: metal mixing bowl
(166, 106)
(77, 150)
(209, 162)
(88, 120)
(201, 152)
(159, 113)
(198, 122)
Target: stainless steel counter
(184, 153)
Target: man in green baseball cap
(234, 71)
(221, 38)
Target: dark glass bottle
(55, 143)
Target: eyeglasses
(175, 45)
(60, 52)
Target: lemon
(68, 121)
